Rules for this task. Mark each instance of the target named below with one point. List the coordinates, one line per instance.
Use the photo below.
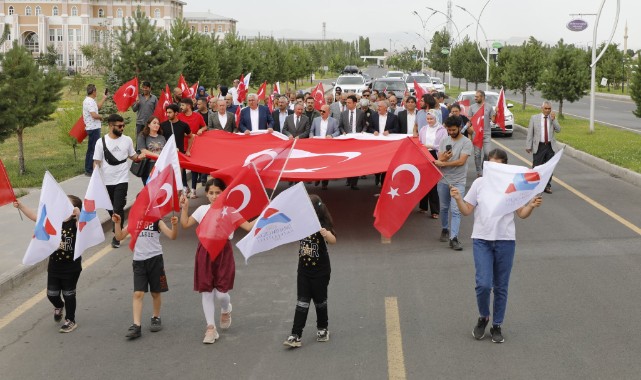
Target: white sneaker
(210, 335)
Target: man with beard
(110, 156)
(144, 107)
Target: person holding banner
(493, 249)
(63, 271)
(213, 279)
(313, 276)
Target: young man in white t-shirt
(93, 122)
(115, 169)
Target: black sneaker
(497, 336)
(134, 332)
(455, 245)
(445, 235)
(293, 341)
(115, 243)
(68, 327)
(479, 329)
(156, 324)
(57, 313)
(322, 335)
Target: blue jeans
(93, 136)
(493, 261)
(480, 158)
(448, 203)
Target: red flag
(182, 84)
(276, 88)
(270, 103)
(262, 91)
(156, 199)
(193, 90)
(6, 190)
(237, 116)
(478, 123)
(163, 101)
(78, 130)
(319, 96)
(410, 176)
(126, 95)
(418, 91)
(243, 199)
(464, 104)
(242, 89)
(500, 110)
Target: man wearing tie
(352, 120)
(338, 106)
(540, 137)
(327, 127)
(280, 114)
(296, 125)
(255, 117)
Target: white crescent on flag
(169, 192)
(246, 196)
(127, 94)
(415, 173)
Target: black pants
(67, 286)
(430, 201)
(118, 196)
(308, 289)
(93, 136)
(543, 154)
(183, 174)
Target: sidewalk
(16, 234)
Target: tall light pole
(596, 59)
(424, 24)
(458, 32)
(478, 46)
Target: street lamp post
(478, 46)
(458, 32)
(424, 24)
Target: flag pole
(260, 179)
(282, 170)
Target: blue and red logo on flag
(44, 229)
(271, 216)
(87, 214)
(523, 181)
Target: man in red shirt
(197, 126)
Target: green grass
(614, 91)
(619, 147)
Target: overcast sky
(505, 20)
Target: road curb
(624, 174)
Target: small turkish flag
(319, 96)
(262, 91)
(478, 123)
(276, 88)
(193, 90)
(270, 103)
(410, 176)
(500, 110)
(78, 130)
(242, 87)
(237, 116)
(464, 104)
(6, 190)
(163, 101)
(418, 91)
(126, 95)
(182, 84)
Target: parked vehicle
(491, 98)
(396, 85)
(350, 69)
(349, 83)
(422, 80)
(438, 84)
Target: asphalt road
(573, 310)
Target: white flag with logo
(506, 188)
(53, 209)
(89, 227)
(289, 217)
(168, 157)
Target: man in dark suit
(540, 137)
(229, 99)
(297, 125)
(327, 127)
(221, 119)
(255, 117)
(280, 114)
(352, 120)
(407, 117)
(383, 122)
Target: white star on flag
(393, 192)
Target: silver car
(491, 98)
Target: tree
(404, 61)
(77, 84)
(635, 87)
(100, 55)
(38, 96)
(457, 60)
(439, 61)
(523, 68)
(49, 58)
(610, 66)
(566, 75)
(145, 52)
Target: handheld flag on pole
(126, 95)
(90, 231)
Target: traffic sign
(494, 51)
(445, 51)
(497, 45)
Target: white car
(491, 98)
(349, 83)
(394, 74)
(422, 80)
(438, 84)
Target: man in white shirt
(407, 117)
(234, 92)
(92, 120)
(112, 162)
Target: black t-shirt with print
(61, 262)
(180, 129)
(313, 257)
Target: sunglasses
(321, 111)
(119, 126)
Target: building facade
(209, 23)
(70, 24)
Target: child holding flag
(213, 279)
(313, 276)
(149, 269)
(493, 249)
(63, 271)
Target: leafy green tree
(49, 58)
(439, 61)
(201, 63)
(523, 68)
(566, 75)
(404, 61)
(37, 100)
(100, 55)
(457, 60)
(473, 65)
(610, 66)
(635, 87)
(77, 84)
(145, 52)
